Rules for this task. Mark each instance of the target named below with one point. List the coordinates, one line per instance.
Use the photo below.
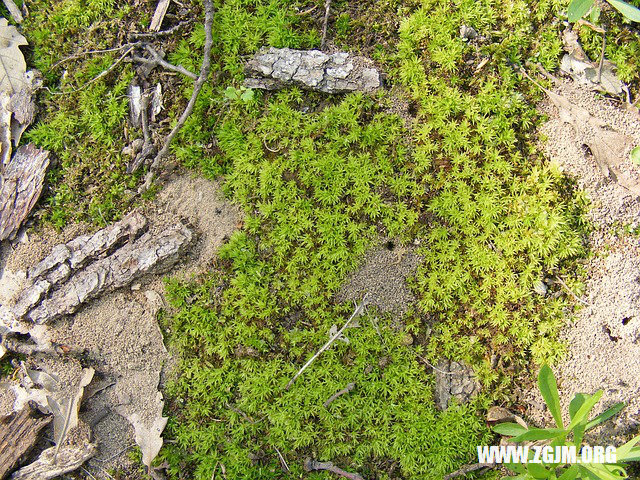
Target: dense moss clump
(445, 157)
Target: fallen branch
(161, 33)
(157, 60)
(338, 394)
(197, 86)
(357, 312)
(468, 469)
(311, 465)
(325, 22)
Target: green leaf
(570, 473)
(625, 450)
(606, 415)
(635, 155)
(594, 16)
(605, 472)
(511, 429)
(577, 9)
(629, 11)
(576, 403)
(536, 470)
(584, 409)
(539, 434)
(231, 93)
(549, 390)
(247, 95)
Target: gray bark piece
(69, 458)
(67, 258)
(118, 270)
(339, 72)
(21, 186)
(454, 380)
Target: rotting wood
(18, 433)
(69, 458)
(21, 186)
(339, 72)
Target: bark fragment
(311, 70)
(69, 458)
(20, 188)
(18, 433)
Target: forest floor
(479, 217)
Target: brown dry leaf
(12, 64)
(148, 437)
(609, 147)
(65, 411)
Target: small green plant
(571, 435)
(579, 8)
(242, 94)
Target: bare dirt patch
(603, 338)
(118, 334)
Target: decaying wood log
(69, 458)
(21, 186)
(18, 433)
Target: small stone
(540, 288)
(467, 33)
(135, 287)
(407, 339)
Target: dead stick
(91, 52)
(468, 469)
(338, 394)
(357, 312)
(169, 66)
(604, 44)
(311, 465)
(197, 86)
(571, 292)
(327, 8)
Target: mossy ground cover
(321, 179)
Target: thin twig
(197, 86)
(161, 33)
(593, 27)
(311, 465)
(566, 287)
(99, 76)
(604, 44)
(308, 11)
(92, 52)
(327, 8)
(357, 312)
(282, 460)
(437, 369)
(157, 59)
(468, 469)
(338, 394)
(239, 412)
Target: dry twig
(338, 394)
(14, 11)
(575, 297)
(197, 86)
(327, 8)
(157, 60)
(158, 15)
(311, 465)
(468, 469)
(357, 312)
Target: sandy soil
(118, 333)
(604, 337)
